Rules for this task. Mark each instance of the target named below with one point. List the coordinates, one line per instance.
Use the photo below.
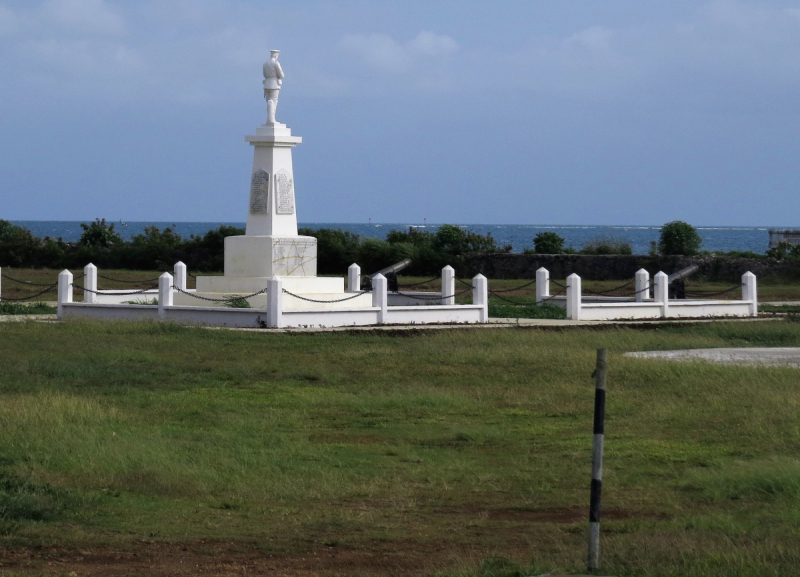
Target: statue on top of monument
(273, 80)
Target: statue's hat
(274, 51)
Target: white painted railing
(93, 295)
(274, 315)
(660, 306)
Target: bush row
(159, 249)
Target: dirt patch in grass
(234, 558)
(567, 515)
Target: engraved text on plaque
(259, 192)
(284, 189)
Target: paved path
(787, 356)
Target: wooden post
(542, 284)
(64, 291)
(574, 297)
(661, 292)
(90, 283)
(480, 296)
(165, 294)
(448, 285)
(353, 278)
(593, 560)
(180, 275)
(642, 285)
(749, 292)
(380, 298)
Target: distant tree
(548, 243)
(17, 245)
(678, 237)
(605, 246)
(98, 234)
(785, 250)
(455, 241)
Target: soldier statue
(273, 80)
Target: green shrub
(456, 241)
(99, 234)
(742, 254)
(237, 302)
(548, 243)
(785, 250)
(414, 236)
(155, 249)
(18, 247)
(604, 246)
(336, 249)
(678, 237)
(15, 308)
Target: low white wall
(619, 311)
(693, 309)
(434, 314)
(109, 311)
(226, 317)
(216, 317)
(330, 317)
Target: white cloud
(86, 16)
(433, 45)
(595, 38)
(385, 54)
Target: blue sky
(580, 112)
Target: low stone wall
(621, 267)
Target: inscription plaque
(284, 188)
(294, 257)
(259, 192)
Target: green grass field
(149, 449)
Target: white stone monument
(271, 246)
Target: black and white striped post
(593, 560)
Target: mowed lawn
(154, 449)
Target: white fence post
(542, 284)
(480, 296)
(274, 303)
(448, 285)
(379, 297)
(661, 292)
(90, 284)
(353, 278)
(180, 275)
(164, 294)
(750, 292)
(64, 290)
(574, 297)
(642, 285)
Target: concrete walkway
(782, 357)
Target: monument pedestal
(270, 255)
(271, 245)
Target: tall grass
(473, 441)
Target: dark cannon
(390, 272)
(677, 287)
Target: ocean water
(520, 237)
